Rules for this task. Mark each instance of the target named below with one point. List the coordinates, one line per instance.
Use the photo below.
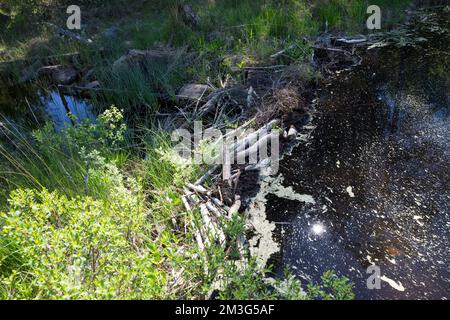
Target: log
(234, 209)
(203, 178)
(275, 56)
(72, 35)
(209, 225)
(351, 41)
(193, 92)
(215, 210)
(197, 188)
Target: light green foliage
(81, 248)
(89, 216)
(251, 282)
(61, 160)
(332, 288)
(351, 15)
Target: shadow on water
(377, 166)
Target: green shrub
(47, 159)
(81, 248)
(331, 288)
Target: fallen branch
(234, 209)
(275, 56)
(63, 32)
(203, 178)
(197, 188)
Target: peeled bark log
(197, 188)
(234, 209)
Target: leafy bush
(250, 282)
(81, 248)
(332, 288)
(68, 161)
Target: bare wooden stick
(203, 178)
(215, 210)
(197, 188)
(281, 52)
(235, 207)
(209, 225)
(186, 203)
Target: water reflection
(31, 105)
(377, 167)
(65, 110)
(318, 229)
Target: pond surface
(371, 183)
(32, 105)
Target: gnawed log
(234, 209)
(198, 188)
(215, 230)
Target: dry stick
(66, 106)
(281, 52)
(197, 188)
(198, 237)
(210, 104)
(203, 178)
(215, 210)
(235, 207)
(352, 41)
(219, 203)
(209, 225)
(265, 67)
(220, 194)
(236, 181)
(258, 145)
(201, 230)
(266, 127)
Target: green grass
(116, 183)
(350, 15)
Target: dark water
(32, 106)
(377, 166)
